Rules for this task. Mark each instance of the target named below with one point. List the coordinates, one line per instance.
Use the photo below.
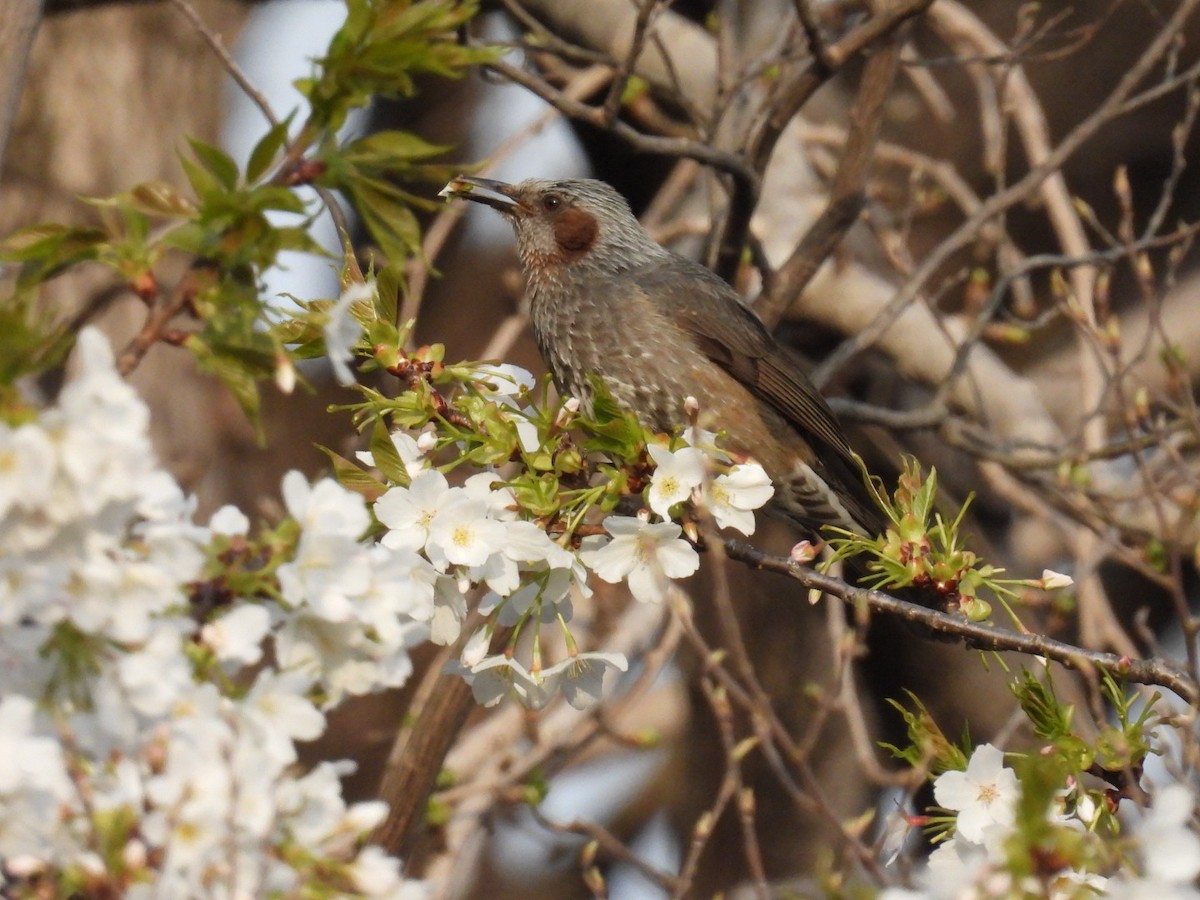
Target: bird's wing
(736, 340)
(733, 337)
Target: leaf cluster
(921, 548)
(232, 221)
(563, 462)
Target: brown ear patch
(575, 231)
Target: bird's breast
(643, 358)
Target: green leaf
(353, 477)
(538, 495)
(392, 224)
(161, 199)
(300, 240)
(269, 197)
(236, 373)
(201, 180)
(1051, 719)
(267, 149)
(929, 745)
(45, 250)
(389, 283)
(387, 457)
(923, 501)
(30, 343)
(218, 163)
(190, 237)
(303, 333)
(387, 150)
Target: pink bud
(803, 553)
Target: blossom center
(644, 548)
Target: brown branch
(613, 849)
(441, 704)
(1119, 102)
(788, 761)
(18, 25)
(705, 826)
(155, 328)
(612, 103)
(786, 103)
(979, 637)
(222, 53)
(686, 148)
(847, 195)
(817, 44)
(62, 7)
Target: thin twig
(1120, 101)
(980, 637)
(157, 319)
(730, 163)
(848, 192)
(218, 47)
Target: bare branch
(979, 637)
(18, 25)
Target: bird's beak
(483, 190)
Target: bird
(607, 302)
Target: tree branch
(980, 637)
(788, 102)
(847, 193)
(18, 25)
(441, 706)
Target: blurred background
(991, 337)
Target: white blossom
(449, 611)
(26, 467)
(201, 772)
(984, 796)
(328, 572)
(1170, 848)
(500, 500)
(407, 512)
(324, 507)
(462, 534)
(645, 554)
(676, 475)
(411, 452)
(237, 635)
(733, 496)
(505, 379)
(1053, 581)
(494, 677)
(229, 521)
(580, 677)
(34, 785)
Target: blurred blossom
(97, 539)
(342, 329)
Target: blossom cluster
(1163, 857)
(138, 710)
(454, 538)
(135, 758)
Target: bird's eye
(551, 202)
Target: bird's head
(572, 223)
